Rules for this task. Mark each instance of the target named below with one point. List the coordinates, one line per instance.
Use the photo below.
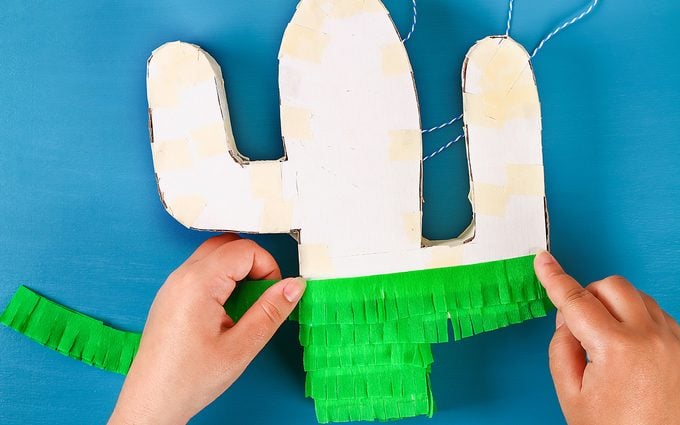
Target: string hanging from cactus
(592, 5)
(413, 22)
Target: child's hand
(191, 351)
(633, 372)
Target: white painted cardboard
(349, 188)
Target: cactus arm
(503, 127)
(203, 181)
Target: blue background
(81, 222)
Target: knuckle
(220, 286)
(272, 311)
(555, 274)
(615, 280)
(577, 295)
(210, 242)
(558, 340)
(189, 276)
(649, 300)
(248, 244)
(594, 285)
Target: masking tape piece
(499, 84)
(405, 145)
(489, 199)
(314, 260)
(172, 155)
(303, 43)
(296, 123)
(175, 66)
(277, 216)
(162, 93)
(350, 8)
(412, 226)
(187, 208)
(265, 179)
(310, 14)
(525, 179)
(445, 256)
(209, 140)
(395, 60)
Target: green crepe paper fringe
(69, 332)
(319, 357)
(366, 340)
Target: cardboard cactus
(349, 191)
(349, 187)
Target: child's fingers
(264, 317)
(243, 258)
(230, 263)
(209, 245)
(621, 299)
(583, 312)
(567, 363)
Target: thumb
(567, 362)
(265, 316)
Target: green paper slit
(367, 340)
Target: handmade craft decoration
(349, 190)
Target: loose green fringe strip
(69, 332)
(367, 340)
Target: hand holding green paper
(191, 350)
(182, 365)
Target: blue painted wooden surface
(80, 219)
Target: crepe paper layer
(367, 340)
(69, 332)
(319, 357)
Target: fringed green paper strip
(366, 340)
(360, 321)
(69, 332)
(319, 357)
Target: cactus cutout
(349, 191)
(349, 187)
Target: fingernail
(294, 289)
(545, 258)
(559, 320)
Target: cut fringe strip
(319, 357)
(366, 340)
(69, 332)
